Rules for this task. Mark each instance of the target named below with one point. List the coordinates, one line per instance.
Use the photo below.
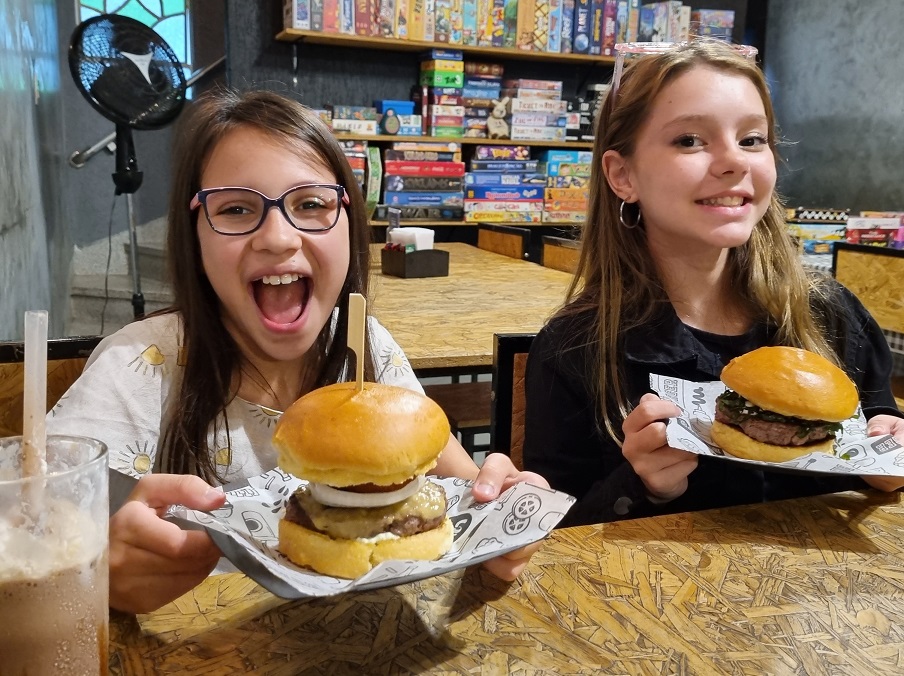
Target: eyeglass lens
(238, 210)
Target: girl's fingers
(162, 490)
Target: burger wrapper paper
(246, 529)
(855, 453)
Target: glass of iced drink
(53, 559)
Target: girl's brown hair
(212, 360)
(617, 277)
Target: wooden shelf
(397, 45)
(425, 224)
(469, 224)
(464, 140)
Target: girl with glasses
(267, 238)
(686, 263)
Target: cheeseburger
(364, 455)
(783, 402)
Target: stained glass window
(168, 18)
(29, 55)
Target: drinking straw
(34, 438)
(357, 307)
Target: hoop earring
(621, 216)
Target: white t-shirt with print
(131, 378)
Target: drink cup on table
(54, 573)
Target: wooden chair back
(560, 253)
(66, 358)
(467, 406)
(876, 276)
(505, 240)
(897, 389)
(507, 415)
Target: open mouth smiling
(282, 299)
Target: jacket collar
(665, 341)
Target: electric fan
(132, 77)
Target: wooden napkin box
(414, 264)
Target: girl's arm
(455, 461)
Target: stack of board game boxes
(538, 112)
(424, 180)
(567, 184)
(442, 83)
(503, 186)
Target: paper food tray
(855, 453)
(246, 528)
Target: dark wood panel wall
(330, 75)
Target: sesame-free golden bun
(382, 435)
(792, 382)
(353, 558)
(733, 441)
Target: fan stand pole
(127, 179)
(137, 297)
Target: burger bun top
(792, 382)
(384, 435)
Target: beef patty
(770, 427)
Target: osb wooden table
(449, 322)
(810, 586)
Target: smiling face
(277, 286)
(702, 169)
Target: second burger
(782, 403)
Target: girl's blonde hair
(617, 278)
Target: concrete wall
(33, 244)
(837, 73)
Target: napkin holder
(415, 264)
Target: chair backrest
(876, 276)
(66, 358)
(507, 414)
(897, 389)
(560, 253)
(506, 240)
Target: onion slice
(336, 497)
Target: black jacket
(565, 443)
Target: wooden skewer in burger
(364, 448)
(783, 402)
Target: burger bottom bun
(353, 558)
(734, 441)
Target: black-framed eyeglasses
(313, 207)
